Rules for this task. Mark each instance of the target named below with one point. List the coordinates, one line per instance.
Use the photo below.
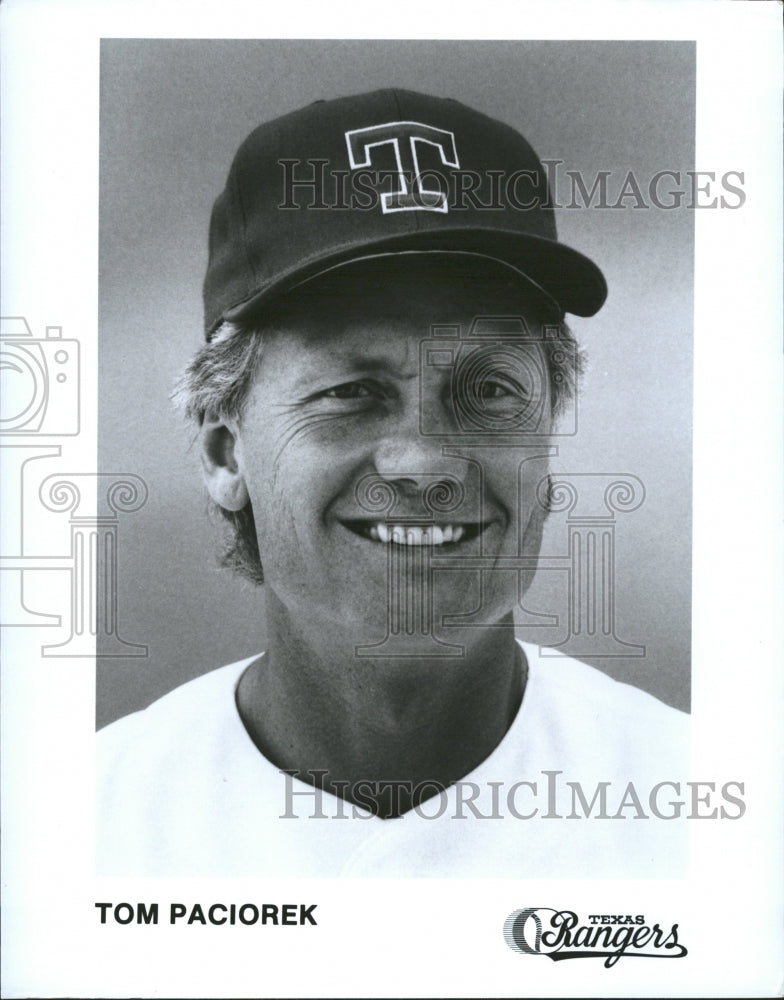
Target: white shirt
(183, 790)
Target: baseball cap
(378, 173)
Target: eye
(349, 390)
(496, 390)
(499, 390)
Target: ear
(222, 473)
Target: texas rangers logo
(411, 195)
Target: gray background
(172, 114)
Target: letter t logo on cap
(404, 136)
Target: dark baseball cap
(378, 173)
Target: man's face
(369, 446)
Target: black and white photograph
(385, 397)
(390, 473)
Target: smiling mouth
(388, 532)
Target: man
(386, 362)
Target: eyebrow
(327, 365)
(355, 365)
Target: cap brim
(573, 280)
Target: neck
(312, 704)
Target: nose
(410, 449)
(413, 462)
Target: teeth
(431, 534)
